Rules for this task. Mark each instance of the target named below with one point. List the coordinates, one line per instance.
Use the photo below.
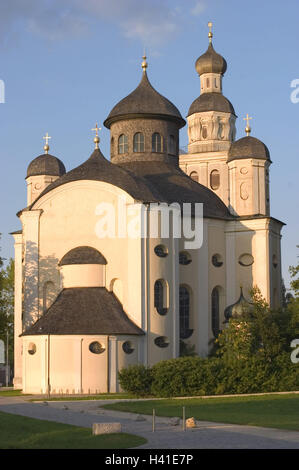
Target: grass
(11, 393)
(19, 432)
(273, 411)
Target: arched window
(122, 144)
(138, 142)
(160, 297)
(194, 176)
(215, 179)
(185, 306)
(172, 149)
(156, 142)
(204, 132)
(215, 311)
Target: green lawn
(18, 432)
(274, 411)
(10, 393)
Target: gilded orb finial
(46, 146)
(144, 63)
(96, 139)
(248, 128)
(210, 24)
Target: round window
(184, 258)
(128, 347)
(217, 260)
(161, 251)
(96, 347)
(162, 342)
(246, 259)
(32, 348)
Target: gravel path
(207, 435)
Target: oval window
(161, 251)
(96, 347)
(128, 347)
(215, 179)
(32, 348)
(217, 260)
(204, 132)
(162, 342)
(246, 260)
(184, 258)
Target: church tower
(211, 126)
(41, 172)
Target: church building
(88, 305)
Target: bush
(136, 379)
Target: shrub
(136, 379)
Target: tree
(7, 304)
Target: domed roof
(238, 309)
(144, 101)
(98, 168)
(211, 102)
(211, 62)
(82, 255)
(248, 147)
(46, 164)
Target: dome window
(217, 260)
(215, 179)
(160, 297)
(246, 259)
(184, 258)
(31, 349)
(162, 341)
(123, 144)
(156, 142)
(128, 347)
(138, 142)
(172, 149)
(161, 251)
(194, 176)
(96, 348)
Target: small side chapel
(85, 307)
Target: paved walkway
(207, 435)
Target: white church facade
(86, 306)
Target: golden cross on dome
(144, 63)
(46, 147)
(248, 128)
(210, 24)
(96, 139)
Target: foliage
(136, 379)
(187, 349)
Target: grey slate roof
(82, 255)
(46, 164)
(97, 168)
(175, 186)
(248, 147)
(144, 101)
(211, 102)
(211, 62)
(84, 311)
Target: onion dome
(82, 255)
(211, 102)
(46, 164)
(248, 147)
(211, 62)
(238, 309)
(144, 102)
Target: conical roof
(144, 101)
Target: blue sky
(66, 63)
